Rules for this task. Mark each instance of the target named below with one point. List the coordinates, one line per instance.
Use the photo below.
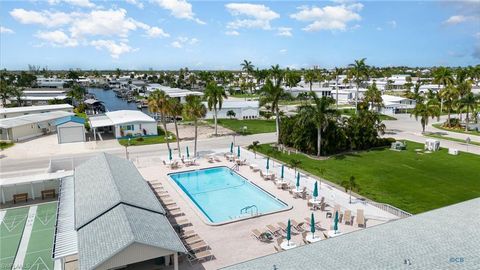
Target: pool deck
(233, 243)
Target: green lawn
(350, 112)
(450, 139)
(410, 181)
(440, 126)
(254, 126)
(145, 140)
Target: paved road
(405, 128)
(36, 165)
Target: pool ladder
(251, 208)
(235, 167)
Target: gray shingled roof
(120, 227)
(428, 240)
(105, 181)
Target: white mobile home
(19, 111)
(124, 123)
(395, 104)
(29, 126)
(242, 110)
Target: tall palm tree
(309, 78)
(360, 73)
(248, 67)
(6, 92)
(337, 72)
(425, 110)
(158, 103)
(442, 76)
(271, 94)
(214, 95)
(350, 185)
(276, 74)
(175, 109)
(17, 92)
(449, 95)
(469, 103)
(374, 97)
(194, 110)
(321, 113)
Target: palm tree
(17, 92)
(425, 110)
(247, 66)
(360, 72)
(194, 110)
(6, 92)
(271, 94)
(294, 163)
(77, 93)
(321, 113)
(310, 77)
(469, 103)
(374, 97)
(175, 109)
(449, 95)
(254, 147)
(158, 104)
(214, 95)
(443, 76)
(337, 72)
(350, 185)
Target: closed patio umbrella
(268, 163)
(238, 151)
(335, 222)
(188, 153)
(170, 154)
(315, 190)
(282, 172)
(289, 229)
(312, 225)
(231, 148)
(298, 181)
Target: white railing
(391, 209)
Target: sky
(170, 34)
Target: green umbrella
(298, 181)
(335, 222)
(170, 154)
(315, 190)
(231, 148)
(283, 169)
(268, 163)
(312, 225)
(289, 228)
(188, 153)
(238, 151)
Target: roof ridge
(120, 199)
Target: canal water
(111, 102)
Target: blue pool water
(220, 194)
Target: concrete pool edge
(204, 217)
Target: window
(128, 127)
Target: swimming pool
(221, 194)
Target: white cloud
(57, 38)
(283, 51)
(104, 22)
(180, 42)
(79, 3)
(137, 3)
(83, 27)
(284, 31)
(456, 19)
(328, 17)
(5, 30)
(156, 32)
(392, 23)
(45, 18)
(232, 33)
(257, 16)
(115, 49)
(179, 9)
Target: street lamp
(126, 148)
